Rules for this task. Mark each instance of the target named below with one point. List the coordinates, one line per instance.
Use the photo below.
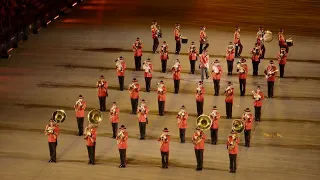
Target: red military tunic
(204, 59)
(115, 118)
(149, 74)
(235, 150)
(134, 93)
(80, 110)
(176, 34)
(273, 76)
(244, 75)
(229, 96)
(123, 142)
(200, 145)
(102, 91)
(255, 57)
(124, 66)
(217, 76)
(193, 55)
(203, 35)
(164, 56)
(176, 73)
(162, 96)
(248, 122)
(183, 121)
(200, 97)
(282, 41)
(236, 38)
(164, 147)
(258, 103)
(230, 55)
(154, 33)
(53, 137)
(91, 140)
(137, 51)
(283, 59)
(142, 117)
(215, 121)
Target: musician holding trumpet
(143, 112)
(258, 96)
(247, 119)
(200, 97)
(282, 40)
(192, 57)
(242, 69)
(176, 72)
(90, 135)
(137, 49)
(155, 34)
(214, 116)
(256, 53)
(79, 107)
(204, 64)
(177, 38)
(216, 76)
(102, 86)
(120, 67)
(52, 131)
(134, 89)
(282, 58)
(164, 56)
(230, 54)
(229, 92)
(164, 140)
(182, 118)
(198, 140)
(203, 38)
(114, 118)
(237, 42)
(161, 91)
(232, 146)
(122, 141)
(148, 68)
(260, 41)
(270, 73)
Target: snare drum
(184, 40)
(289, 42)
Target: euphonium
(59, 116)
(237, 125)
(95, 117)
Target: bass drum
(268, 36)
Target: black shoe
(89, 162)
(198, 169)
(163, 166)
(50, 161)
(122, 166)
(93, 163)
(230, 171)
(166, 167)
(141, 138)
(79, 134)
(113, 137)
(54, 161)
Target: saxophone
(256, 96)
(233, 142)
(120, 136)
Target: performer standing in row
(260, 41)
(229, 92)
(121, 67)
(215, 116)
(176, 71)
(79, 107)
(134, 89)
(232, 146)
(216, 76)
(203, 38)
(192, 57)
(177, 37)
(243, 71)
(122, 141)
(282, 58)
(200, 98)
(154, 31)
(137, 49)
(143, 112)
(114, 119)
(164, 147)
(198, 140)
(182, 118)
(52, 131)
(90, 135)
(204, 64)
(247, 119)
(164, 56)
(102, 86)
(148, 68)
(256, 53)
(230, 54)
(282, 40)
(270, 73)
(237, 42)
(258, 97)
(161, 91)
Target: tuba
(95, 117)
(237, 126)
(59, 116)
(204, 122)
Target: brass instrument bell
(59, 116)
(95, 117)
(204, 122)
(237, 126)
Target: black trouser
(178, 46)
(263, 49)
(164, 159)
(80, 125)
(230, 66)
(255, 67)
(199, 157)
(200, 48)
(199, 107)
(182, 133)
(233, 162)
(155, 44)
(142, 128)
(229, 110)
(134, 105)
(257, 113)
(121, 82)
(242, 83)
(123, 156)
(137, 61)
(164, 65)
(102, 101)
(52, 149)
(214, 136)
(161, 107)
(114, 129)
(247, 137)
(270, 88)
(176, 85)
(91, 153)
(238, 50)
(192, 66)
(216, 86)
(281, 67)
(148, 83)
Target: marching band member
(270, 73)
(282, 58)
(154, 31)
(164, 147)
(177, 37)
(192, 57)
(122, 139)
(237, 42)
(230, 54)
(198, 140)
(229, 92)
(182, 118)
(232, 146)
(114, 119)
(215, 116)
(52, 131)
(282, 40)
(258, 97)
(79, 107)
(243, 71)
(137, 49)
(216, 76)
(204, 64)
(143, 112)
(102, 86)
(121, 67)
(90, 135)
(161, 91)
(164, 56)
(256, 53)
(176, 70)
(200, 98)
(134, 89)
(148, 68)
(247, 119)
(203, 39)
(260, 41)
